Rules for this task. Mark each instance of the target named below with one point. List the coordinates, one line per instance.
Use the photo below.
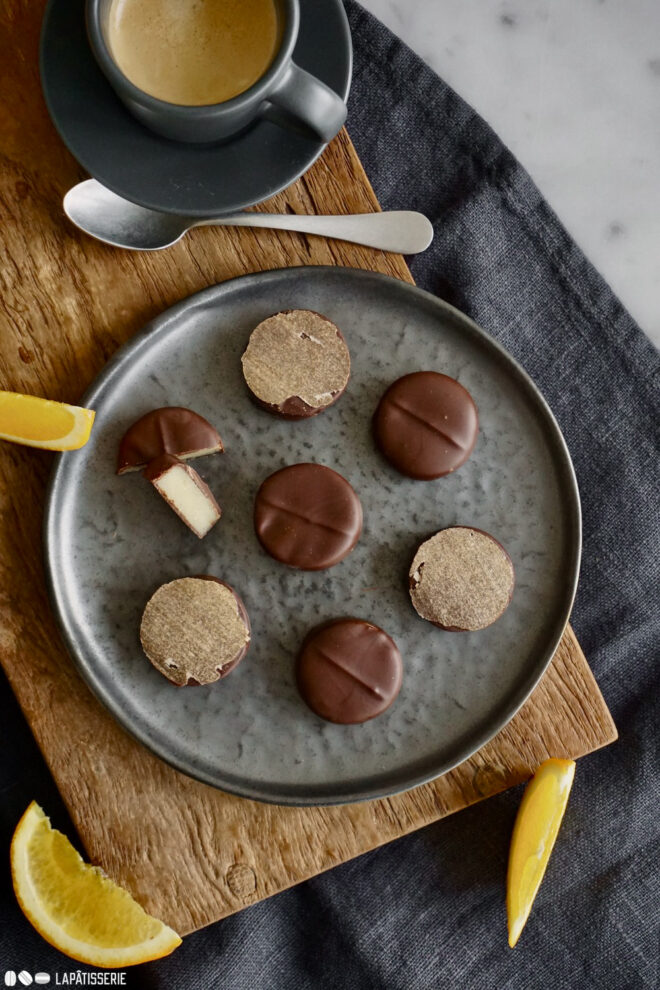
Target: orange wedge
(534, 832)
(75, 906)
(43, 423)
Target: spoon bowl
(117, 221)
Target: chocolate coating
(293, 408)
(348, 671)
(296, 364)
(169, 430)
(461, 579)
(426, 425)
(307, 516)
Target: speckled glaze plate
(110, 541)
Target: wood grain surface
(188, 853)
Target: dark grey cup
(284, 87)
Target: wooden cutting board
(188, 853)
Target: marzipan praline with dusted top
(296, 364)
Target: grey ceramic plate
(165, 175)
(110, 541)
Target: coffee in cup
(203, 71)
(193, 52)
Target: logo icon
(25, 979)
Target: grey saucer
(110, 541)
(199, 181)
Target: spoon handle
(401, 231)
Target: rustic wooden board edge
(90, 298)
(479, 777)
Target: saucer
(194, 180)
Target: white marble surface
(573, 88)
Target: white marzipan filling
(180, 489)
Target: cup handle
(306, 98)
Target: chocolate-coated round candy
(169, 430)
(307, 516)
(426, 425)
(195, 630)
(461, 579)
(296, 363)
(348, 671)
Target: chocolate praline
(296, 364)
(461, 579)
(192, 635)
(348, 670)
(426, 425)
(307, 516)
(168, 430)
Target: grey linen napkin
(428, 911)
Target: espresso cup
(284, 87)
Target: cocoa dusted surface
(461, 579)
(307, 516)
(168, 430)
(349, 671)
(426, 425)
(191, 636)
(242, 611)
(296, 364)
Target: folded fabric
(428, 911)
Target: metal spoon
(115, 220)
